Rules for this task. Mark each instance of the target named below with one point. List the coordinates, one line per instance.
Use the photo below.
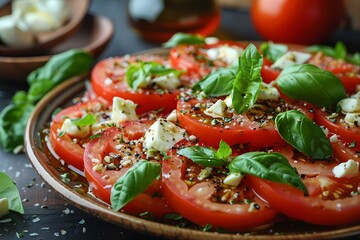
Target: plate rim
(101, 210)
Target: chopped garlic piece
(233, 179)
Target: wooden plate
(48, 167)
(78, 10)
(93, 36)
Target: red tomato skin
(267, 73)
(346, 133)
(101, 185)
(292, 202)
(146, 99)
(296, 21)
(183, 201)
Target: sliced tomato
(330, 201)
(337, 125)
(67, 147)
(348, 73)
(269, 74)
(108, 80)
(256, 127)
(195, 60)
(209, 200)
(120, 154)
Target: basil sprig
(303, 134)
(242, 84)
(338, 52)
(273, 51)
(140, 73)
(207, 156)
(310, 83)
(248, 80)
(13, 118)
(133, 182)
(184, 38)
(270, 166)
(8, 190)
(218, 83)
(87, 120)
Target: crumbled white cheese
(4, 207)
(268, 92)
(204, 173)
(334, 138)
(233, 179)
(162, 135)
(291, 58)
(172, 117)
(346, 169)
(352, 119)
(350, 105)
(228, 101)
(217, 109)
(123, 110)
(168, 81)
(228, 54)
(73, 130)
(211, 40)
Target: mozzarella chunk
(4, 207)
(211, 40)
(230, 55)
(217, 109)
(291, 58)
(172, 117)
(162, 135)
(228, 101)
(168, 81)
(350, 105)
(13, 32)
(233, 179)
(268, 92)
(352, 119)
(123, 110)
(75, 131)
(346, 169)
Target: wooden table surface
(47, 214)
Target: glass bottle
(158, 20)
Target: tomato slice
(336, 124)
(331, 201)
(67, 147)
(256, 127)
(108, 80)
(120, 154)
(348, 73)
(196, 60)
(269, 74)
(210, 201)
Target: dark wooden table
(47, 214)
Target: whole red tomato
(297, 21)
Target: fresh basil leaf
(340, 50)
(310, 83)
(19, 98)
(133, 182)
(248, 80)
(13, 120)
(224, 151)
(38, 90)
(87, 120)
(218, 83)
(303, 134)
(184, 38)
(139, 74)
(202, 155)
(63, 66)
(270, 166)
(354, 59)
(8, 190)
(273, 51)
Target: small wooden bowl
(93, 36)
(78, 10)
